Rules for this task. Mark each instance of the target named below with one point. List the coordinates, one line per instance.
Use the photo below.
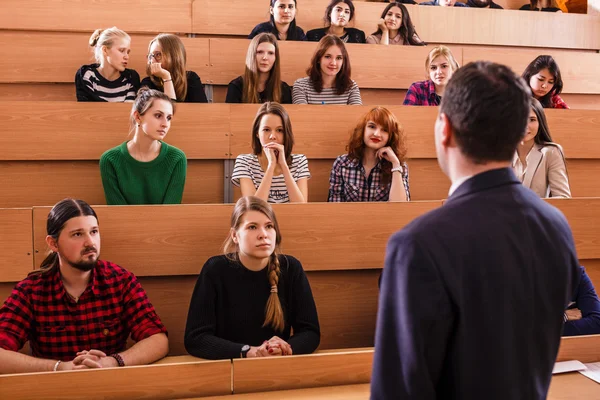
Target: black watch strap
(244, 351)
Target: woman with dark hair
(261, 81)
(282, 22)
(374, 168)
(338, 14)
(247, 301)
(166, 70)
(328, 80)
(543, 76)
(543, 5)
(272, 172)
(395, 27)
(539, 162)
(145, 169)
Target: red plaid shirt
(111, 307)
(422, 93)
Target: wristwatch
(244, 351)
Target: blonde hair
(174, 55)
(105, 38)
(273, 311)
(440, 51)
(273, 84)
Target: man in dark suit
(473, 293)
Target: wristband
(56, 366)
(398, 169)
(167, 80)
(119, 359)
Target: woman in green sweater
(145, 170)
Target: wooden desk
(573, 386)
(345, 392)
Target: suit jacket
(546, 171)
(472, 296)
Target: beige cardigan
(546, 172)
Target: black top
(296, 34)
(227, 309)
(235, 92)
(90, 85)
(527, 7)
(195, 89)
(352, 35)
(471, 3)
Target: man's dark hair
(488, 106)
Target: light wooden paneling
(76, 15)
(579, 213)
(296, 372)
(573, 386)
(582, 348)
(51, 57)
(344, 392)
(83, 131)
(16, 260)
(157, 382)
(37, 91)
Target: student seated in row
(539, 162)
(541, 5)
(166, 70)
(282, 22)
(443, 3)
(108, 79)
(77, 311)
(247, 301)
(145, 169)
(261, 81)
(338, 14)
(545, 81)
(329, 76)
(583, 315)
(439, 67)
(484, 4)
(272, 172)
(375, 168)
(395, 27)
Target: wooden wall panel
(16, 261)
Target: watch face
(246, 347)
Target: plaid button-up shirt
(422, 93)
(112, 306)
(348, 182)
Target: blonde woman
(439, 67)
(108, 79)
(261, 81)
(166, 70)
(247, 301)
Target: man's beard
(85, 265)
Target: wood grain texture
(579, 213)
(157, 382)
(16, 260)
(575, 69)
(573, 386)
(344, 392)
(583, 348)
(305, 371)
(44, 183)
(37, 91)
(434, 24)
(178, 229)
(83, 131)
(86, 16)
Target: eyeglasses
(156, 55)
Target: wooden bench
(41, 168)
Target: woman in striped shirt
(272, 172)
(328, 80)
(109, 79)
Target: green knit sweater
(128, 181)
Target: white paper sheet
(592, 371)
(567, 366)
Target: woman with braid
(247, 301)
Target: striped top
(90, 85)
(305, 93)
(248, 166)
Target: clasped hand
(89, 359)
(272, 347)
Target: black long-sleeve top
(195, 89)
(227, 309)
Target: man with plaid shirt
(77, 311)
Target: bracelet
(167, 80)
(119, 359)
(397, 169)
(56, 366)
